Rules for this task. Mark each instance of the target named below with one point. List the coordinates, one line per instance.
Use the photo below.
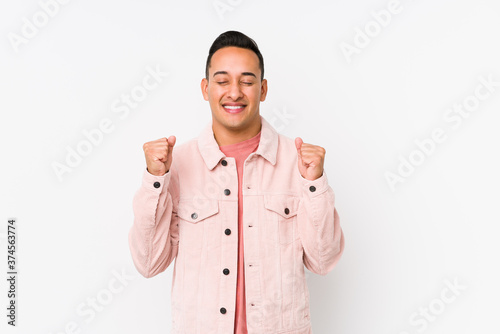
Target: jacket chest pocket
(280, 224)
(198, 222)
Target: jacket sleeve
(154, 236)
(319, 226)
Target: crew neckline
(242, 144)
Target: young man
(241, 208)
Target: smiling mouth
(234, 109)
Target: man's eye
(248, 83)
(221, 82)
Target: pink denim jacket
(191, 215)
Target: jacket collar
(209, 149)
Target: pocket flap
(195, 210)
(284, 205)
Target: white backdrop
(404, 95)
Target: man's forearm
(319, 227)
(153, 237)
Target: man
(241, 208)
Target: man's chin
(233, 122)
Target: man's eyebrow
(243, 73)
(219, 72)
(249, 73)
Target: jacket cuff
(155, 183)
(315, 187)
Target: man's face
(234, 89)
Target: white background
(367, 110)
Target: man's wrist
(155, 174)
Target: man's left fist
(310, 159)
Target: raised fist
(158, 155)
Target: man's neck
(223, 136)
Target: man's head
(234, 82)
(237, 39)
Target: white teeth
(233, 107)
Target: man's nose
(234, 91)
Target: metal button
(227, 231)
(223, 310)
(287, 211)
(194, 215)
(227, 192)
(226, 271)
(224, 163)
(156, 184)
(312, 188)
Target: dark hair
(237, 39)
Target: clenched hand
(158, 155)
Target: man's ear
(263, 90)
(204, 88)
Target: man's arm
(318, 220)
(154, 236)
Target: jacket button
(227, 231)
(224, 163)
(222, 310)
(226, 271)
(156, 184)
(312, 188)
(287, 211)
(194, 215)
(227, 192)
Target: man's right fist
(158, 155)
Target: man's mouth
(233, 108)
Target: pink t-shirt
(240, 152)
